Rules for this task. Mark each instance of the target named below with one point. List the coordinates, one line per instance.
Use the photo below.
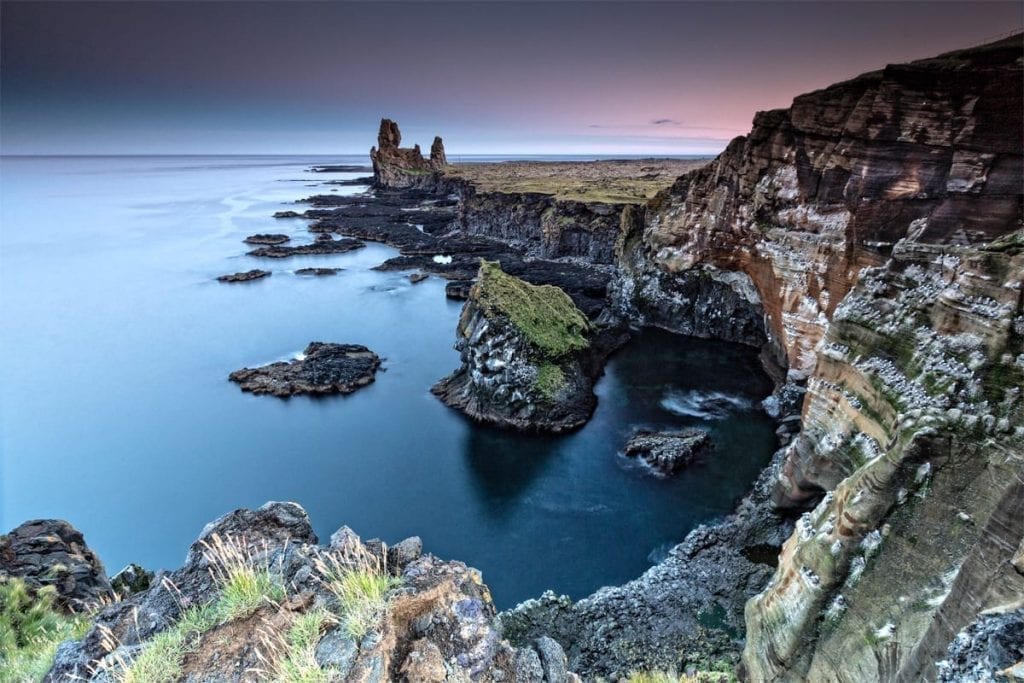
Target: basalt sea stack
(524, 356)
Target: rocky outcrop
(817, 192)
(869, 223)
(51, 552)
(667, 452)
(914, 426)
(267, 238)
(245, 276)
(319, 272)
(323, 244)
(989, 650)
(528, 361)
(321, 369)
(397, 167)
(432, 622)
(544, 226)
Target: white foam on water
(708, 405)
(442, 259)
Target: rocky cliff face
(544, 226)
(529, 356)
(397, 167)
(872, 223)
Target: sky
(490, 77)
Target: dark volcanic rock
(287, 214)
(130, 580)
(51, 552)
(264, 238)
(320, 246)
(245, 276)
(352, 182)
(458, 289)
(324, 369)
(668, 452)
(529, 356)
(340, 169)
(990, 649)
(318, 271)
(416, 278)
(404, 167)
(440, 620)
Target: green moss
(550, 380)
(31, 627)
(544, 314)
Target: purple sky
(491, 77)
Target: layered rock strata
(871, 235)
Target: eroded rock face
(51, 552)
(819, 191)
(436, 625)
(397, 167)
(323, 369)
(528, 361)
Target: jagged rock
(131, 579)
(458, 289)
(437, 625)
(320, 246)
(437, 155)
(318, 271)
(397, 167)
(246, 276)
(265, 238)
(51, 552)
(323, 369)
(989, 650)
(668, 452)
(528, 357)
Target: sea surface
(116, 412)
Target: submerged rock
(323, 369)
(246, 276)
(528, 361)
(267, 238)
(668, 452)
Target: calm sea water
(116, 412)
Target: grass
(550, 380)
(245, 585)
(294, 654)
(361, 591)
(544, 314)
(31, 628)
(610, 181)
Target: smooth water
(118, 416)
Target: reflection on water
(116, 412)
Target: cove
(116, 413)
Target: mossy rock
(544, 314)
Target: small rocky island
(245, 276)
(322, 369)
(668, 452)
(524, 351)
(267, 239)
